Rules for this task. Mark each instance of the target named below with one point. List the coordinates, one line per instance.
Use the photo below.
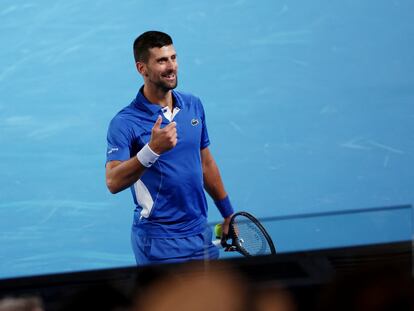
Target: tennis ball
(218, 231)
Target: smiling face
(160, 70)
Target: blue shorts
(168, 250)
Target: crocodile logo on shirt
(194, 122)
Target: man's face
(161, 68)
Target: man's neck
(158, 96)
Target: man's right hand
(163, 139)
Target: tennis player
(158, 147)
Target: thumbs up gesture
(163, 139)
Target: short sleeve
(118, 141)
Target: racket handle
(217, 243)
(228, 248)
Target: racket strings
(251, 238)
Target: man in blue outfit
(158, 147)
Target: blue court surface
(310, 110)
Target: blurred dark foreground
(368, 278)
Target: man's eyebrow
(166, 57)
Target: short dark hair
(148, 40)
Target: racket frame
(236, 243)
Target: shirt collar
(142, 103)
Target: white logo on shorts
(194, 122)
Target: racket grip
(217, 243)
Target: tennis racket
(246, 235)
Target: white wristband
(146, 156)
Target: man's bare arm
(211, 175)
(213, 182)
(122, 174)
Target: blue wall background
(309, 107)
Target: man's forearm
(121, 175)
(214, 185)
(212, 180)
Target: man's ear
(141, 68)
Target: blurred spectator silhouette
(194, 287)
(216, 286)
(272, 297)
(31, 303)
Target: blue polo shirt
(169, 197)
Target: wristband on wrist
(146, 156)
(224, 206)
